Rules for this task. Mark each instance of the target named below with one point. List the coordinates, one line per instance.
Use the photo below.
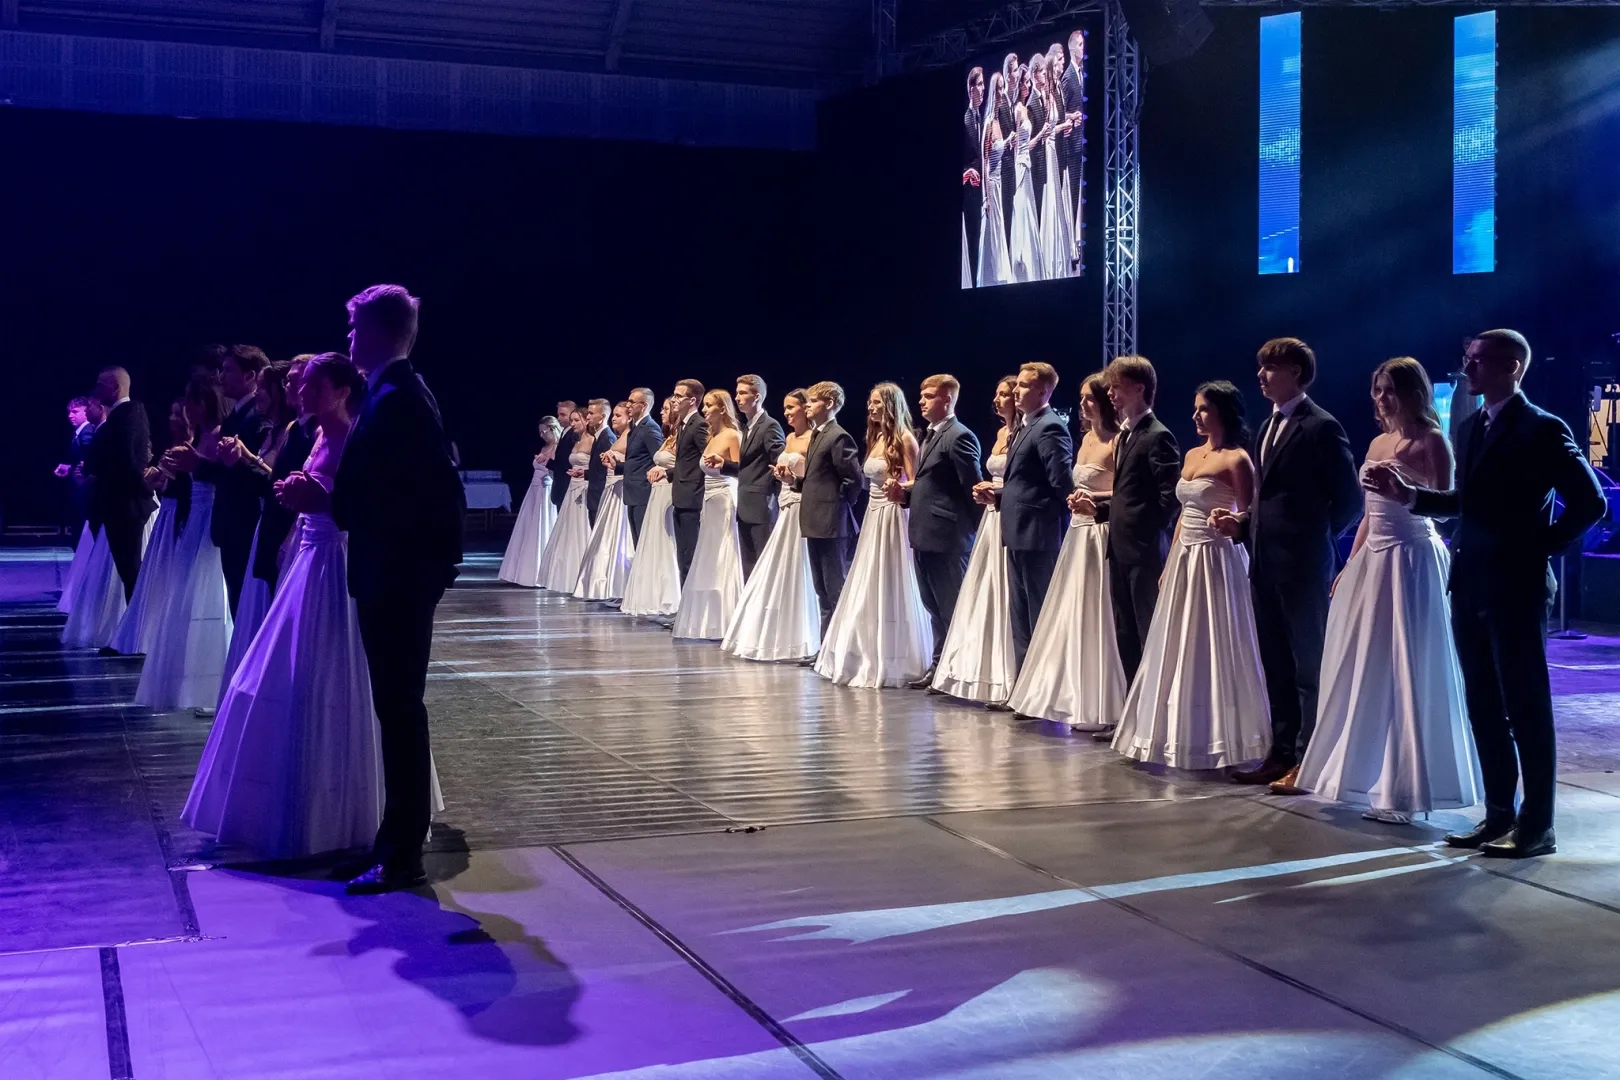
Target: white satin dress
(565, 547)
(1024, 247)
(977, 661)
(99, 605)
(880, 633)
(139, 624)
(1199, 697)
(521, 563)
(75, 573)
(778, 617)
(605, 569)
(994, 263)
(1072, 673)
(1391, 722)
(185, 665)
(715, 581)
(653, 589)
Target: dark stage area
(658, 861)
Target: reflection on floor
(657, 862)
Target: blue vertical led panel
(1473, 144)
(1279, 144)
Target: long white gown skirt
(75, 574)
(521, 564)
(994, 263)
(99, 606)
(879, 634)
(967, 263)
(565, 547)
(1024, 247)
(778, 617)
(1199, 698)
(605, 569)
(1057, 227)
(653, 588)
(714, 583)
(977, 661)
(184, 666)
(1391, 723)
(152, 585)
(1072, 673)
(293, 764)
(251, 608)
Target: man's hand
(1384, 479)
(1226, 523)
(301, 492)
(607, 458)
(1081, 502)
(894, 491)
(713, 461)
(63, 471)
(970, 176)
(576, 473)
(231, 450)
(985, 494)
(655, 474)
(181, 459)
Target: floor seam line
(1231, 954)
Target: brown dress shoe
(1289, 784)
(1263, 773)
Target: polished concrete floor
(659, 862)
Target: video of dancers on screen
(1023, 160)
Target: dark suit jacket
(645, 439)
(276, 521)
(1503, 503)
(1035, 492)
(831, 484)
(762, 443)
(398, 494)
(115, 464)
(1073, 96)
(596, 473)
(686, 485)
(1306, 495)
(943, 515)
(1143, 506)
(559, 466)
(236, 489)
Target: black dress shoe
(1105, 735)
(383, 878)
(1521, 844)
(1268, 771)
(1480, 835)
(924, 683)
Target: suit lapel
(1131, 438)
(1270, 456)
(1493, 432)
(933, 442)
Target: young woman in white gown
(139, 626)
(994, 265)
(1057, 226)
(653, 589)
(186, 660)
(778, 617)
(99, 606)
(75, 573)
(976, 662)
(880, 633)
(714, 583)
(605, 569)
(1024, 247)
(565, 547)
(1072, 673)
(1199, 698)
(1392, 730)
(293, 765)
(531, 530)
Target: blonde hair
(1045, 374)
(946, 383)
(731, 409)
(1412, 389)
(828, 391)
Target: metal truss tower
(1122, 182)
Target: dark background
(551, 268)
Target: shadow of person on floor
(507, 984)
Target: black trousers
(829, 565)
(1135, 590)
(1290, 621)
(939, 579)
(637, 515)
(1029, 575)
(397, 631)
(1502, 650)
(752, 537)
(124, 544)
(686, 538)
(233, 558)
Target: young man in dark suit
(686, 479)
(1512, 459)
(1141, 509)
(972, 167)
(831, 484)
(1034, 499)
(115, 465)
(398, 496)
(1305, 496)
(944, 515)
(596, 469)
(639, 447)
(762, 442)
(559, 461)
(237, 491)
(72, 467)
